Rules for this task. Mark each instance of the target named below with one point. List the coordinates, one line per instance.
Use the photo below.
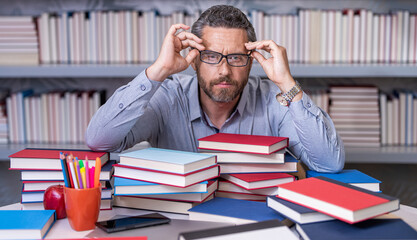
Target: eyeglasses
(234, 60)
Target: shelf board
(388, 154)
(131, 70)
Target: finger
(190, 43)
(267, 45)
(259, 57)
(174, 28)
(187, 35)
(191, 56)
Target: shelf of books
(131, 70)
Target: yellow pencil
(82, 172)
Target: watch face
(282, 100)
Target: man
(174, 113)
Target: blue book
(350, 176)
(168, 160)
(233, 210)
(369, 229)
(295, 212)
(125, 186)
(26, 224)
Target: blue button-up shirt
(169, 115)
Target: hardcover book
(337, 199)
(167, 160)
(243, 143)
(252, 181)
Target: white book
(296, 50)
(63, 37)
(117, 31)
(128, 37)
(405, 36)
(307, 39)
(93, 43)
(10, 119)
(338, 37)
(53, 38)
(43, 23)
(80, 120)
(106, 39)
(83, 38)
(345, 39)
(369, 34)
(412, 40)
(394, 38)
(388, 33)
(381, 43)
(396, 120)
(409, 119)
(142, 38)
(390, 122)
(301, 34)
(37, 118)
(399, 35)
(331, 36)
(356, 39)
(384, 118)
(135, 37)
(111, 37)
(324, 36)
(350, 35)
(414, 128)
(28, 120)
(88, 46)
(402, 117)
(375, 39)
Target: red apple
(53, 199)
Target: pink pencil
(92, 169)
(87, 174)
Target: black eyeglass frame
(225, 56)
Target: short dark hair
(223, 16)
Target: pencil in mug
(73, 174)
(68, 162)
(97, 172)
(82, 173)
(77, 168)
(87, 172)
(64, 169)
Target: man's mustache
(223, 80)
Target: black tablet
(131, 222)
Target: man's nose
(224, 67)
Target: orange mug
(83, 207)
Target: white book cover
(75, 57)
(43, 24)
(362, 35)
(409, 119)
(338, 37)
(405, 36)
(37, 113)
(414, 128)
(345, 40)
(399, 35)
(21, 117)
(301, 34)
(394, 38)
(105, 31)
(51, 120)
(142, 38)
(122, 37)
(66, 111)
(99, 35)
(307, 39)
(79, 116)
(356, 39)
(412, 40)
(135, 37)
(62, 125)
(315, 37)
(82, 40)
(384, 117)
(63, 37)
(128, 37)
(402, 117)
(45, 119)
(57, 117)
(53, 38)
(324, 46)
(390, 122)
(88, 46)
(369, 34)
(296, 44)
(331, 36)
(415, 40)
(111, 37)
(28, 120)
(381, 43)
(350, 35)
(93, 40)
(117, 38)
(375, 39)
(10, 119)
(85, 113)
(396, 120)
(388, 33)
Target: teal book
(26, 224)
(125, 186)
(168, 160)
(233, 210)
(350, 176)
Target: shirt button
(308, 105)
(142, 87)
(121, 105)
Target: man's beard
(224, 94)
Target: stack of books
(324, 203)
(164, 180)
(41, 168)
(355, 113)
(251, 166)
(18, 41)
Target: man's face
(222, 82)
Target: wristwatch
(286, 98)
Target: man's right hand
(170, 60)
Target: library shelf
(131, 70)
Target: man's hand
(276, 67)
(170, 60)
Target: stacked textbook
(164, 180)
(251, 166)
(41, 168)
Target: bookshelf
(79, 72)
(131, 70)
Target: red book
(250, 181)
(166, 178)
(48, 159)
(243, 143)
(340, 200)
